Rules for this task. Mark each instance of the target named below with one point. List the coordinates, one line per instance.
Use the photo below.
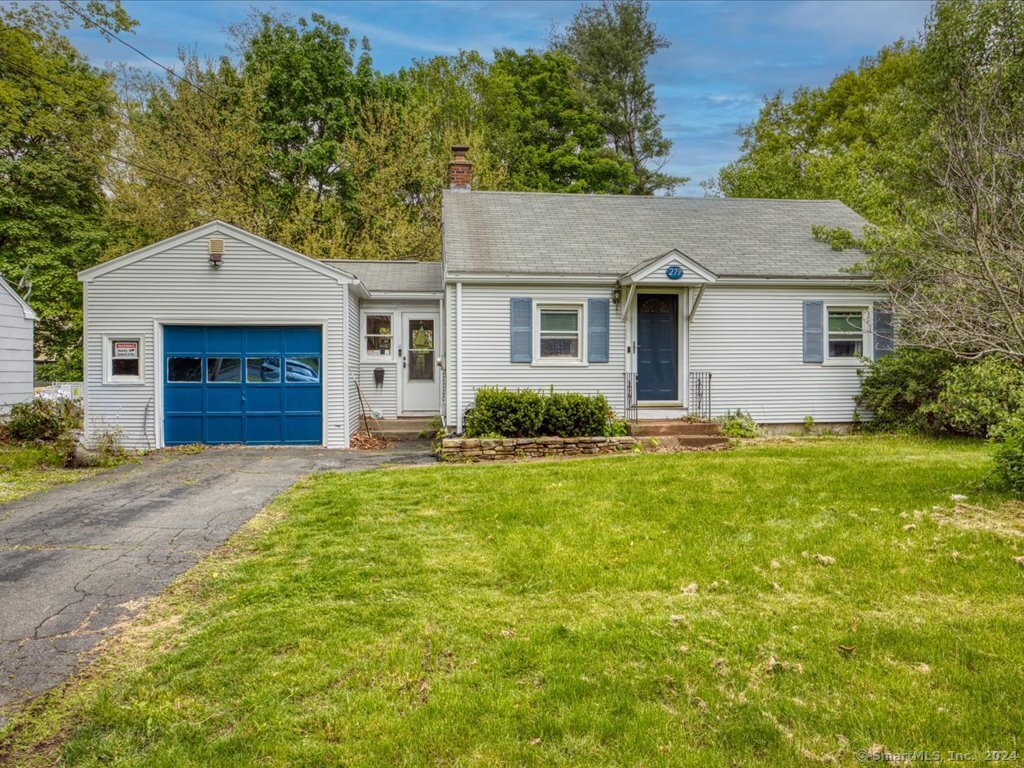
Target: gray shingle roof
(393, 276)
(525, 232)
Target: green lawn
(543, 614)
(25, 469)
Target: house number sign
(674, 272)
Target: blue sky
(724, 55)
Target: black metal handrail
(629, 398)
(700, 394)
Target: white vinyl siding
(354, 363)
(177, 285)
(15, 353)
(385, 398)
(750, 338)
(485, 346)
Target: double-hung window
(559, 332)
(379, 336)
(847, 332)
(122, 360)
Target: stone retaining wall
(471, 449)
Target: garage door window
(263, 370)
(181, 370)
(302, 370)
(223, 370)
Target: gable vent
(215, 246)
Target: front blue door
(657, 346)
(259, 385)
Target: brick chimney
(460, 170)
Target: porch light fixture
(215, 249)
(617, 296)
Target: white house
(667, 306)
(17, 326)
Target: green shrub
(900, 389)
(739, 424)
(525, 413)
(616, 428)
(42, 419)
(978, 396)
(571, 414)
(1009, 453)
(505, 412)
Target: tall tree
(543, 132)
(56, 134)
(848, 141)
(612, 43)
(193, 152)
(955, 263)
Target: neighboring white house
(667, 306)
(17, 325)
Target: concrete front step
(674, 428)
(400, 429)
(684, 442)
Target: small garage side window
(122, 359)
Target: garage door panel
(223, 398)
(301, 429)
(302, 399)
(185, 430)
(183, 399)
(265, 341)
(264, 399)
(264, 429)
(302, 340)
(239, 384)
(224, 341)
(223, 429)
(183, 340)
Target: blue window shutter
(882, 331)
(814, 331)
(597, 330)
(521, 330)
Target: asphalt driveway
(77, 560)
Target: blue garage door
(232, 384)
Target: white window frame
(108, 360)
(363, 355)
(866, 343)
(581, 358)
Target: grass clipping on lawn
(775, 605)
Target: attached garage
(219, 336)
(256, 385)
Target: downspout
(458, 358)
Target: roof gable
(672, 268)
(210, 229)
(26, 310)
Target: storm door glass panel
(184, 369)
(223, 370)
(302, 370)
(421, 350)
(263, 370)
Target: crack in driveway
(78, 561)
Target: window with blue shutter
(598, 311)
(521, 330)
(882, 331)
(814, 331)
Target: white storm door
(421, 378)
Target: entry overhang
(672, 268)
